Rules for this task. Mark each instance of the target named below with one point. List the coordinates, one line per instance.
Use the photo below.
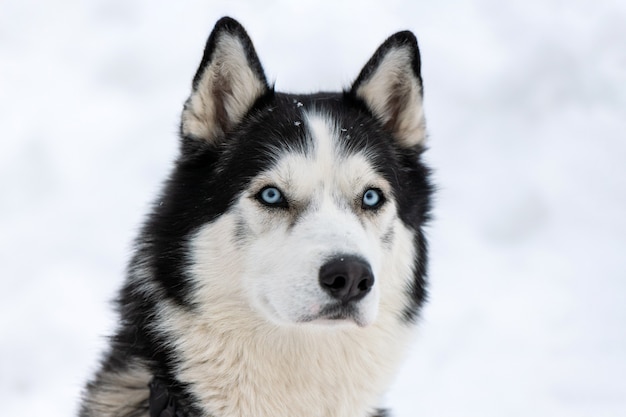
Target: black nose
(346, 278)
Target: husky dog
(282, 268)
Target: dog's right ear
(228, 82)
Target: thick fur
(223, 300)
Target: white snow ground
(526, 104)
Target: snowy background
(526, 105)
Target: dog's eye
(271, 197)
(372, 199)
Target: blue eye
(372, 198)
(271, 196)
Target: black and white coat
(225, 308)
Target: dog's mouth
(337, 314)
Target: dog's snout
(346, 278)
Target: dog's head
(309, 208)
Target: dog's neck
(269, 371)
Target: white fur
(242, 351)
(229, 70)
(393, 87)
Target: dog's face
(307, 207)
(315, 226)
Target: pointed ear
(390, 84)
(228, 82)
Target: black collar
(162, 402)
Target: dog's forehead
(308, 121)
(327, 161)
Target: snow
(526, 106)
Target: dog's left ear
(390, 84)
(228, 82)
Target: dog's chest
(341, 375)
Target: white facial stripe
(325, 140)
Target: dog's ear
(390, 84)
(228, 82)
